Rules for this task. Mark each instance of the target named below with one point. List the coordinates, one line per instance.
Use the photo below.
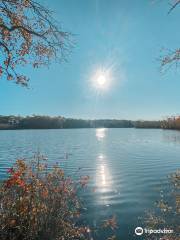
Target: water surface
(127, 167)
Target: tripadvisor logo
(139, 231)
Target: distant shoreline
(59, 122)
(47, 122)
(6, 129)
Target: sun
(101, 79)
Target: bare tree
(171, 57)
(29, 35)
(174, 5)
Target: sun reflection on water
(103, 176)
(103, 181)
(100, 133)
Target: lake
(127, 167)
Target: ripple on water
(127, 167)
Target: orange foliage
(29, 35)
(36, 204)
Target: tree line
(58, 122)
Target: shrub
(39, 205)
(167, 212)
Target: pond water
(127, 167)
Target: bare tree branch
(171, 58)
(177, 2)
(29, 35)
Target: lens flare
(101, 79)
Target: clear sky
(124, 36)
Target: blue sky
(123, 35)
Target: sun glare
(100, 133)
(101, 79)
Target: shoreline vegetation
(12, 122)
(40, 204)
